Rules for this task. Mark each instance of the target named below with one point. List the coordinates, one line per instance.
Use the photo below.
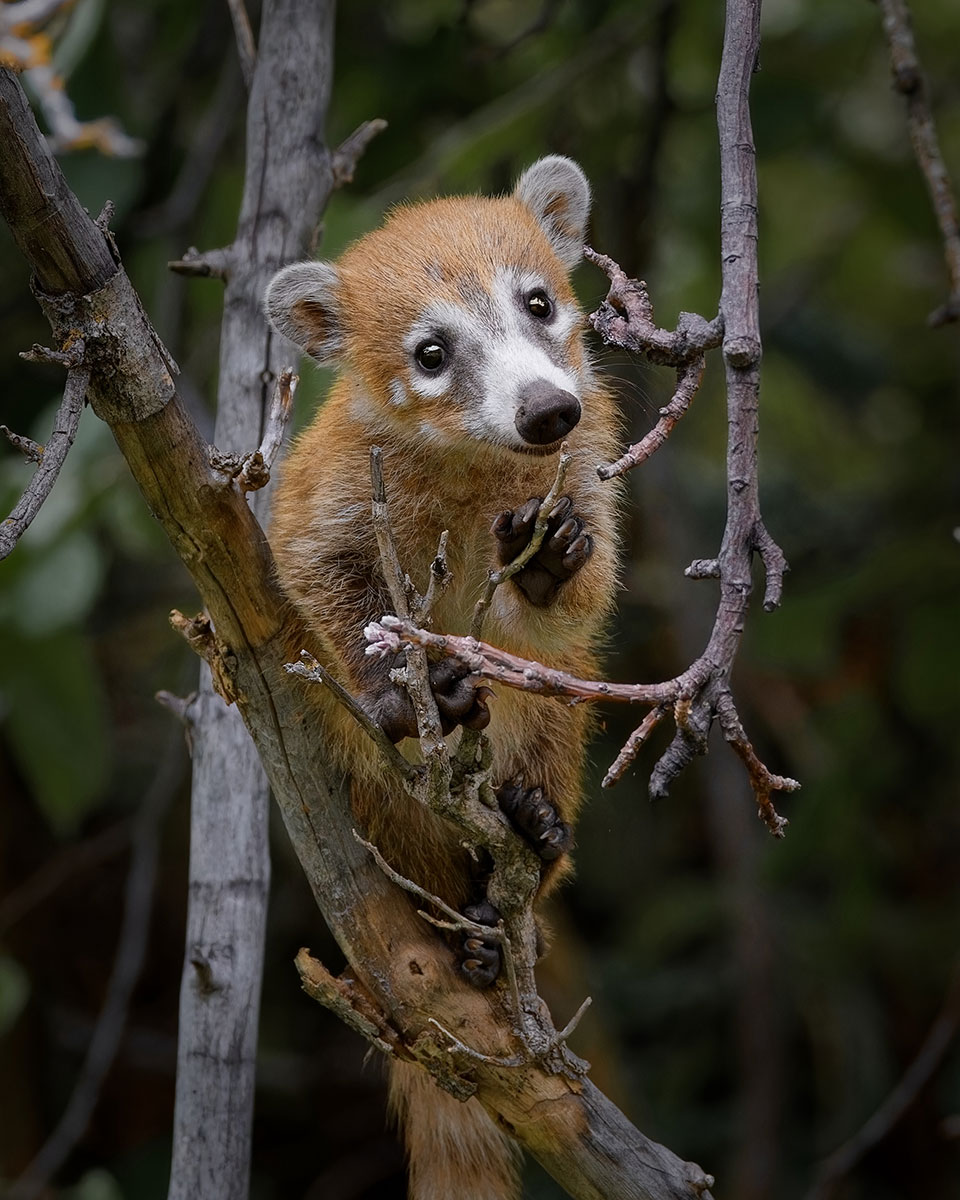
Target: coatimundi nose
(546, 413)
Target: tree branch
(51, 459)
(910, 82)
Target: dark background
(754, 1001)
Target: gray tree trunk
(287, 183)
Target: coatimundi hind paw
(479, 956)
(564, 550)
(536, 818)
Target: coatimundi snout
(459, 346)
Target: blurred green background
(754, 1000)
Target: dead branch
(685, 693)
(246, 46)
(308, 668)
(251, 472)
(911, 83)
(352, 148)
(625, 318)
(32, 451)
(212, 264)
(49, 459)
(496, 578)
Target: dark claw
(536, 818)
(479, 957)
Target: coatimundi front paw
(564, 550)
(536, 818)
(459, 702)
(479, 957)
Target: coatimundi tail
(459, 344)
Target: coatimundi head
(456, 318)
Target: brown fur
(327, 560)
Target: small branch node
(703, 568)
(32, 451)
(198, 632)
(211, 264)
(344, 160)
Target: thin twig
(633, 745)
(909, 80)
(344, 160)
(51, 460)
(246, 46)
(32, 451)
(496, 578)
(279, 416)
(405, 598)
(762, 780)
(440, 579)
(625, 318)
(388, 634)
(211, 264)
(309, 668)
(463, 1048)
(457, 920)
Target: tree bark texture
(286, 185)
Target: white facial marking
(495, 347)
(398, 393)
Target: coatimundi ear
(303, 304)
(557, 192)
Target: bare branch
(633, 745)
(279, 416)
(457, 921)
(762, 780)
(496, 578)
(32, 451)
(211, 264)
(387, 635)
(625, 319)
(51, 459)
(347, 999)
(246, 46)
(910, 82)
(351, 149)
(309, 668)
(251, 472)
(399, 584)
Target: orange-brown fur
(328, 563)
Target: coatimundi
(459, 344)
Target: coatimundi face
(456, 319)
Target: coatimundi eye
(538, 303)
(430, 356)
